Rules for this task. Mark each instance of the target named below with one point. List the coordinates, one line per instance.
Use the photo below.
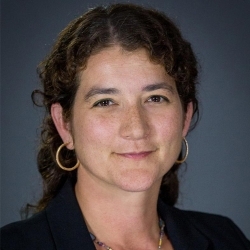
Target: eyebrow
(156, 86)
(100, 91)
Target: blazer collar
(66, 221)
(180, 230)
(69, 230)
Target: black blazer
(61, 226)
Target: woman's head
(132, 28)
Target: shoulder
(218, 229)
(201, 230)
(210, 222)
(27, 234)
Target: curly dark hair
(131, 27)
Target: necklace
(161, 225)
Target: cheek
(169, 126)
(169, 137)
(93, 130)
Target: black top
(61, 226)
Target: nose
(134, 124)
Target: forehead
(117, 56)
(116, 64)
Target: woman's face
(128, 122)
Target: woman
(119, 88)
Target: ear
(63, 128)
(188, 118)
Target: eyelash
(162, 99)
(103, 103)
(109, 102)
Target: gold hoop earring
(59, 163)
(186, 155)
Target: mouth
(135, 155)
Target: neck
(119, 217)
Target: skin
(127, 128)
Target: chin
(136, 180)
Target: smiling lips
(136, 155)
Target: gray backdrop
(217, 176)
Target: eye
(158, 98)
(103, 103)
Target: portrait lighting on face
(119, 89)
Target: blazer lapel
(69, 230)
(183, 235)
(66, 221)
